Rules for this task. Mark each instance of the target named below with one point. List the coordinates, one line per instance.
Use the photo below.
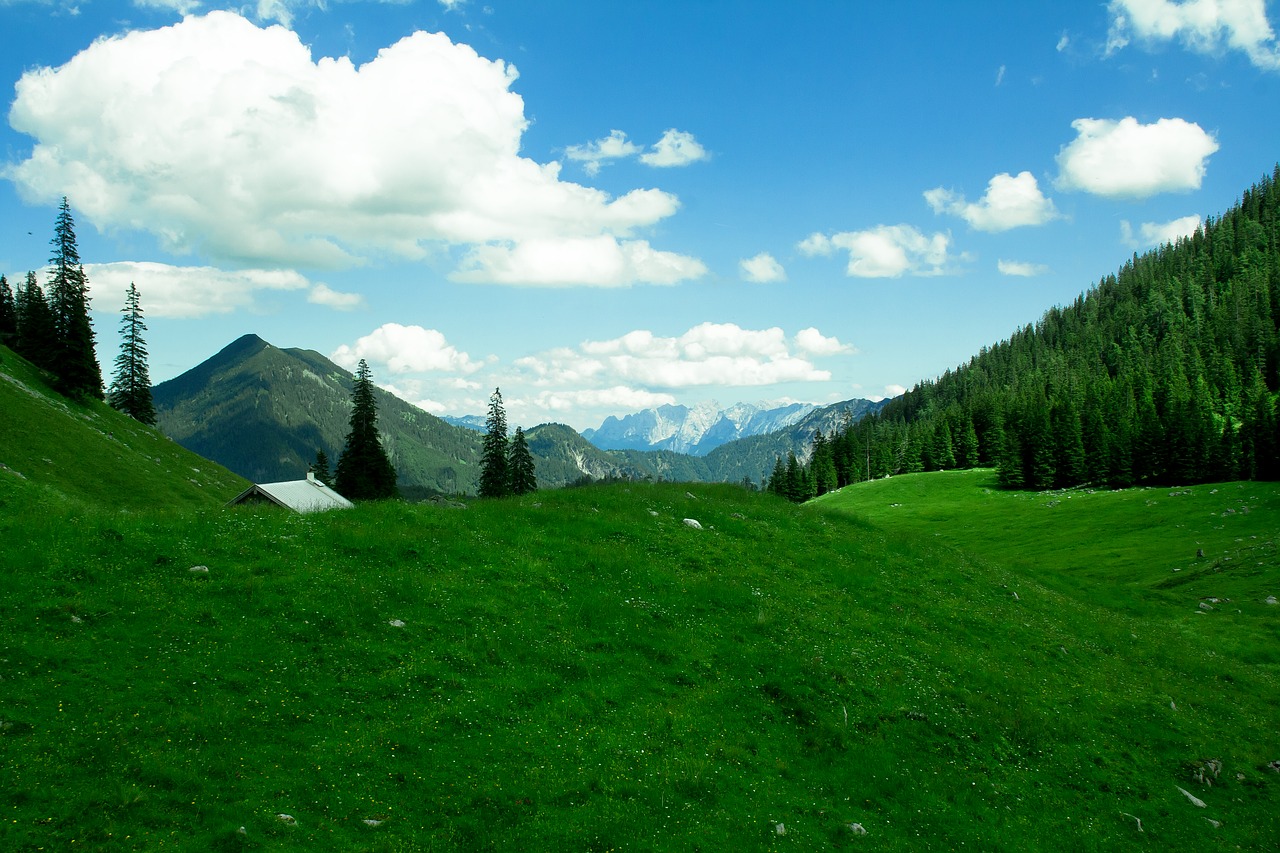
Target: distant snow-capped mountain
(473, 422)
(695, 430)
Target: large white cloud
(226, 138)
(406, 349)
(708, 354)
(1127, 159)
(1204, 26)
(190, 292)
(886, 251)
(1010, 202)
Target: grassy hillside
(90, 452)
(582, 670)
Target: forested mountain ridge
(1165, 372)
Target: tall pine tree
(494, 479)
(74, 359)
(130, 390)
(35, 324)
(8, 314)
(520, 468)
(364, 471)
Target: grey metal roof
(309, 495)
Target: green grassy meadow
(580, 670)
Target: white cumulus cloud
(762, 268)
(602, 261)
(1127, 159)
(886, 251)
(1010, 202)
(707, 354)
(186, 292)
(675, 148)
(323, 294)
(222, 137)
(406, 349)
(1203, 26)
(812, 341)
(1158, 233)
(1020, 268)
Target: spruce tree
(495, 482)
(8, 314)
(364, 471)
(35, 324)
(74, 359)
(520, 466)
(130, 390)
(320, 468)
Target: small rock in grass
(691, 496)
(857, 829)
(199, 570)
(692, 522)
(242, 831)
(1204, 605)
(781, 829)
(396, 623)
(287, 819)
(1195, 801)
(1271, 599)
(1274, 765)
(372, 822)
(1216, 823)
(653, 512)
(76, 619)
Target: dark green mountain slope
(58, 448)
(263, 412)
(1165, 372)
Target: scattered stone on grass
(1216, 823)
(693, 522)
(242, 831)
(781, 829)
(76, 619)
(691, 496)
(396, 623)
(1271, 599)
(1274, 765)
(1199, 553)
(199, 570)
(653, 512)
(1195, 801)
(1206, 606)
(1206, 771)
(372, 822)
(287, 819)
(1136, 818)
(857, 829)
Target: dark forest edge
(1164, 373)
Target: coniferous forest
(1164, 373)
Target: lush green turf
(581, 670)
(87, 451)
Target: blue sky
(602, 207)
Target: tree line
(1166, 372)
(50, 326)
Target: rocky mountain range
(695, 430)
(263, 412)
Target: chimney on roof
(311, 478)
